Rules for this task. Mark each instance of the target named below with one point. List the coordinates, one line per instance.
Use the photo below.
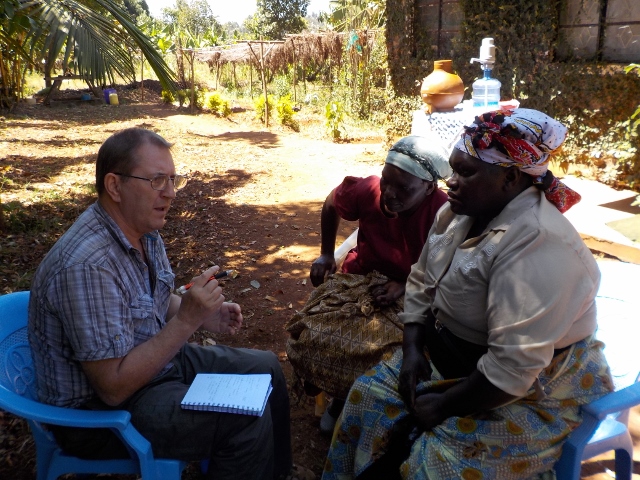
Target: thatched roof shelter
(304, 48)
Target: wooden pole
(261, 67)
(250, 80)
(293, 46)
(264, 85)
(235, 80)
(141, 77)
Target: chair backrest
(17, 376)
(343, 249)
(16, 367)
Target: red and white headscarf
(524, 138)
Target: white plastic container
(486, 91)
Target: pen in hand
(225, 273)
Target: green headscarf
(422, 157)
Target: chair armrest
(68, 417)
(118, 420)
(614, 402)
(593, 413)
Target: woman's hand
(387, 294)
(459, 398)
(324, 265)
(415, 367)
(429, 410)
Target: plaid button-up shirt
(93, 298)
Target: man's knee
(270, 358)
(247, 450)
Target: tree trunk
(141, 77)
(193, 81)
(3, 222)
(180, 64)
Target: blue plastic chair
(18, 396)
(605, 422)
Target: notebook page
(234, 393)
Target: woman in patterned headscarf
(351, 319)
(498, 349)
(525, 139)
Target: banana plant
(347, 15)
(160, 37)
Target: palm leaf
(98, 35)
(13, 28)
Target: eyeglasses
(160, 182)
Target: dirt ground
(252, 204)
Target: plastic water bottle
(486, 91)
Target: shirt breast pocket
(143, 317)
(165, 283)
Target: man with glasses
(107, 332)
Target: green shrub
(182, 97)
(167, 96)
(285, 113)
(217, 104)
(334, 113)
(635, 117)
(259, 102)
(282, 86)
(198, 99)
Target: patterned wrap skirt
(521, 440)
(339, 334)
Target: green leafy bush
(167, 96)
(282, 86)
(259, 105)
(198, 98)
(182, 97)
(285, 113)
(633, 127)
(217, 104)
(334, 113)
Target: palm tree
(93, 38)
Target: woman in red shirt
(350, 321)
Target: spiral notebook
(229, 393)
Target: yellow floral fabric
(521, 440)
